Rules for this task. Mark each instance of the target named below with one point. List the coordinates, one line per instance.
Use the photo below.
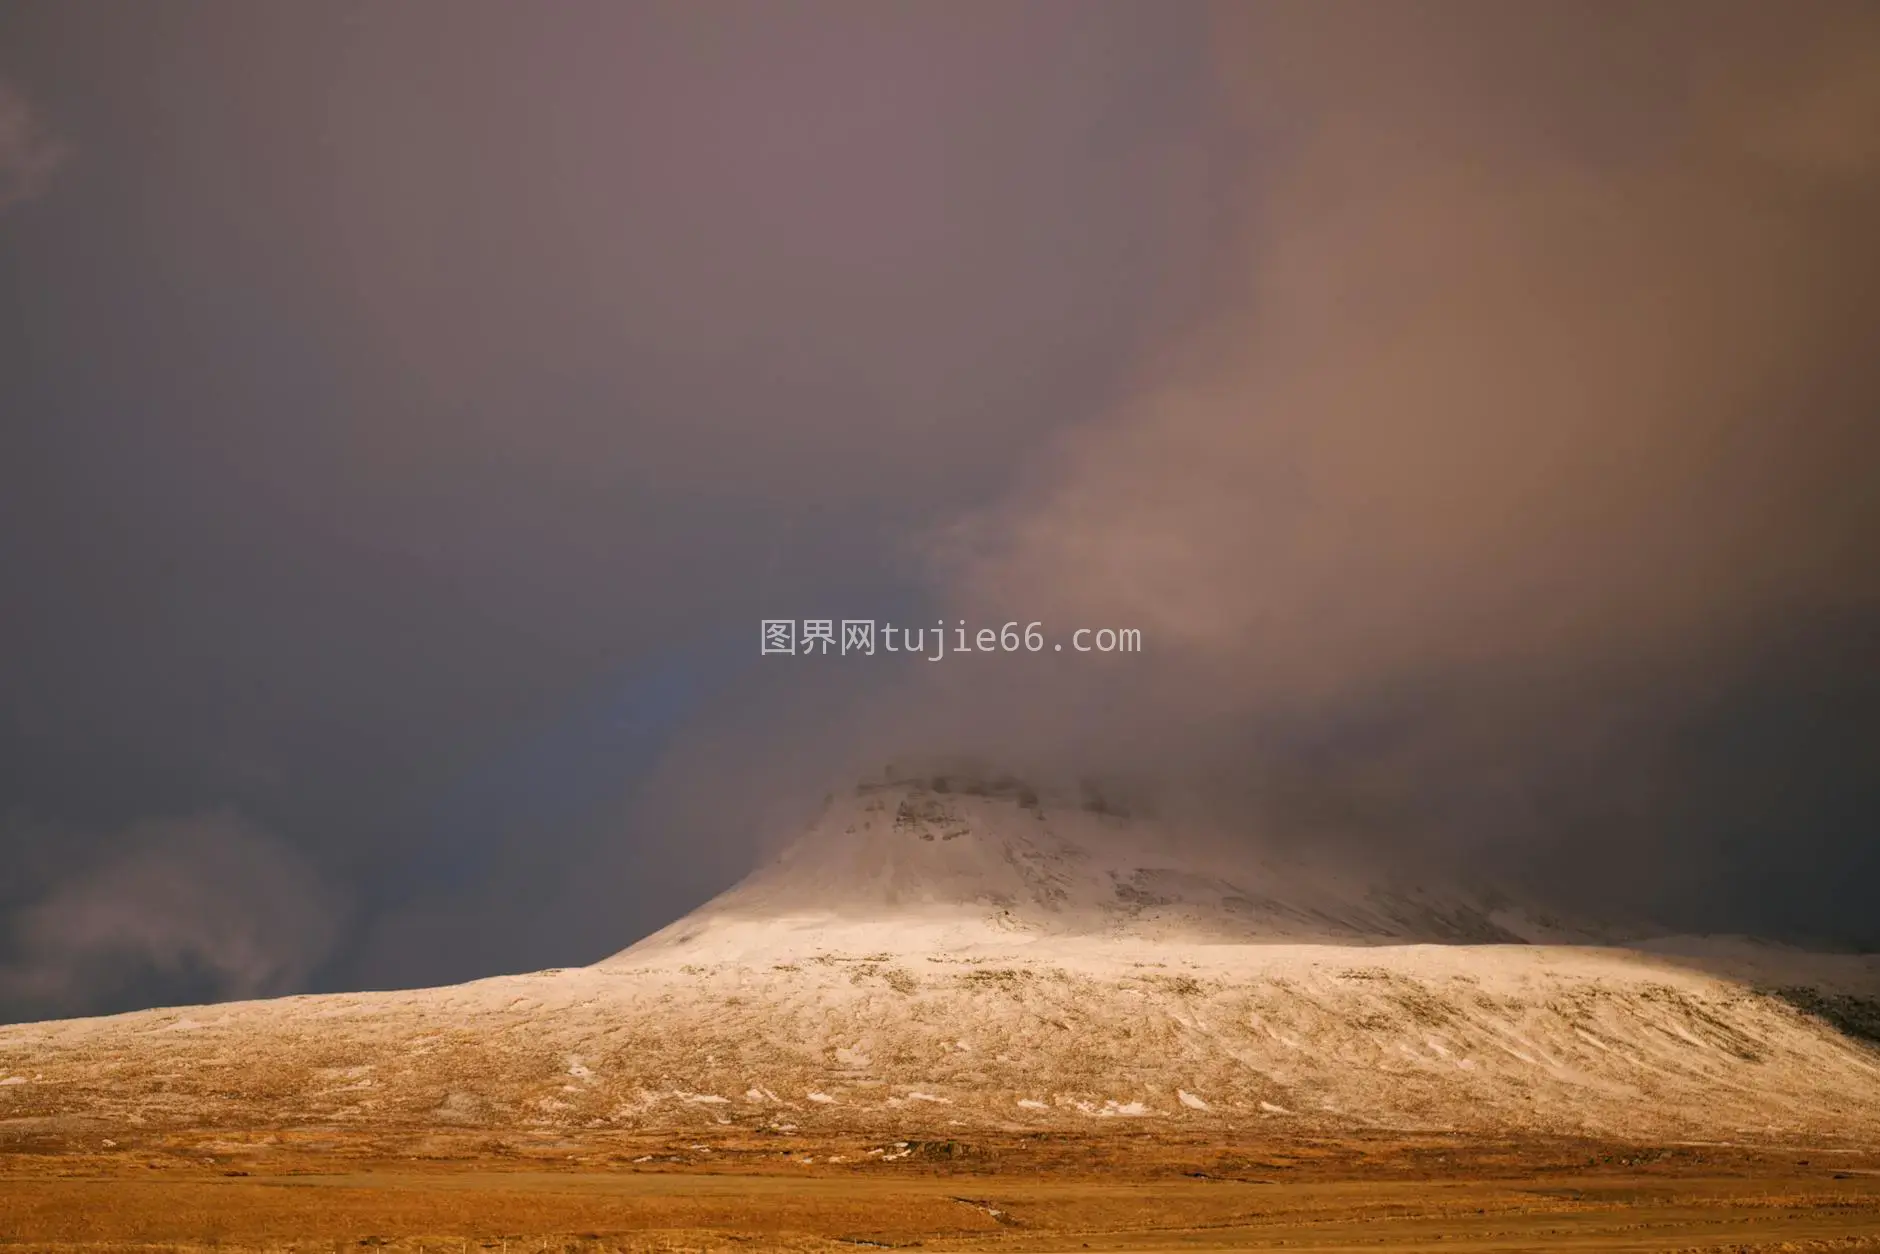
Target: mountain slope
(961, 863)
(926, 959)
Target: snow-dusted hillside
(928, 959)
(988, 865)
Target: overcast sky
(409, 412)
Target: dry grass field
(324, 1191)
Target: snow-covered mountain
(983, 863)
(939, 954)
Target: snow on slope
(930, 959)
(942, 864)
(1307, 1039)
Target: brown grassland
(69, 1188)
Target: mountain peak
(953, 859)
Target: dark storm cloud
(205, 906)
(1512, 508)
(393, 389)
(412, 410)
(1529, 469)
(1506, 384)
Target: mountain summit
(988, 864)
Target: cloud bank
(1523, 466)
(1471, 406)
(206, 907)
(29, 155)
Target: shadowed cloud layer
(417, 409)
